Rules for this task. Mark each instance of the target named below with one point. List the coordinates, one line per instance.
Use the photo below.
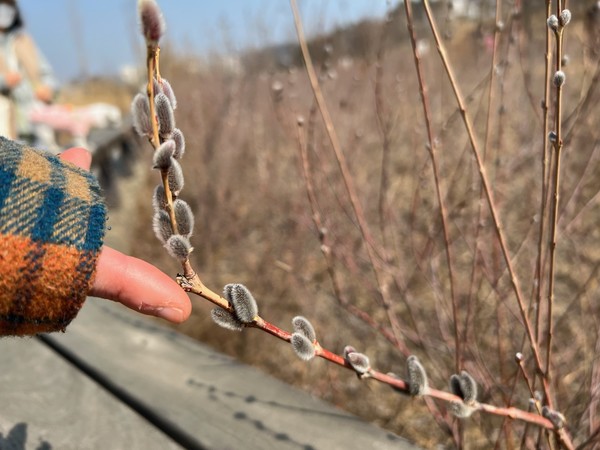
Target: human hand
(12, 79)
(44, 93)
(131, 281)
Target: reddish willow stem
(195, 286)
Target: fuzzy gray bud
(460, 410)
(303, 347)
(152, 21)
(564, 17)
(165, 115)
(184, 218)
(417, 377)
(359, 362)
(175, 178)
(161, 224)
(559, 78)
(163, 155)
(347, 350)
(304, 327)
(179, 140)
(179, 247)
(552, 137)
(244, 305)
(465, 387)
(166, 89)
(557, 419)
(469, 388)
(225, 319)
(140, 113)
(552, 22)
(159, 199)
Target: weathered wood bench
(120, 380)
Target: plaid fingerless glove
(52, 221)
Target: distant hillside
(361, 40)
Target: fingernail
(170, 314)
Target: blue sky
(102, 35)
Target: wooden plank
(46, 403)
(221, 403)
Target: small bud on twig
(564, 17)
(552, 22)
(460, 410)
(417, 377)
(165, 115)
(184, 218)
(179, 247)
(303, 347)
(304, 327)
(168, 91)
(557, 419)
(225, 319)
(175, 177)
(179, 140)
(468, 388)
(465, 387)
(140, 113)
(161, 224)
(159, 199)
(559, 78)
(163, 155)
(244, 305)
(347, 350)
(359, 361)
(152, 21)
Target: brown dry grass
(253, 222)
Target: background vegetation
(254, 223)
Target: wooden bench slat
(46, 403)
(222, 403)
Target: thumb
(77, 156)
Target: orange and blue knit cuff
(52, 222)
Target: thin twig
(545, 168)
(558, 145)
(437, 181)
(345, 172)
(497, 226)
(487, 189)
